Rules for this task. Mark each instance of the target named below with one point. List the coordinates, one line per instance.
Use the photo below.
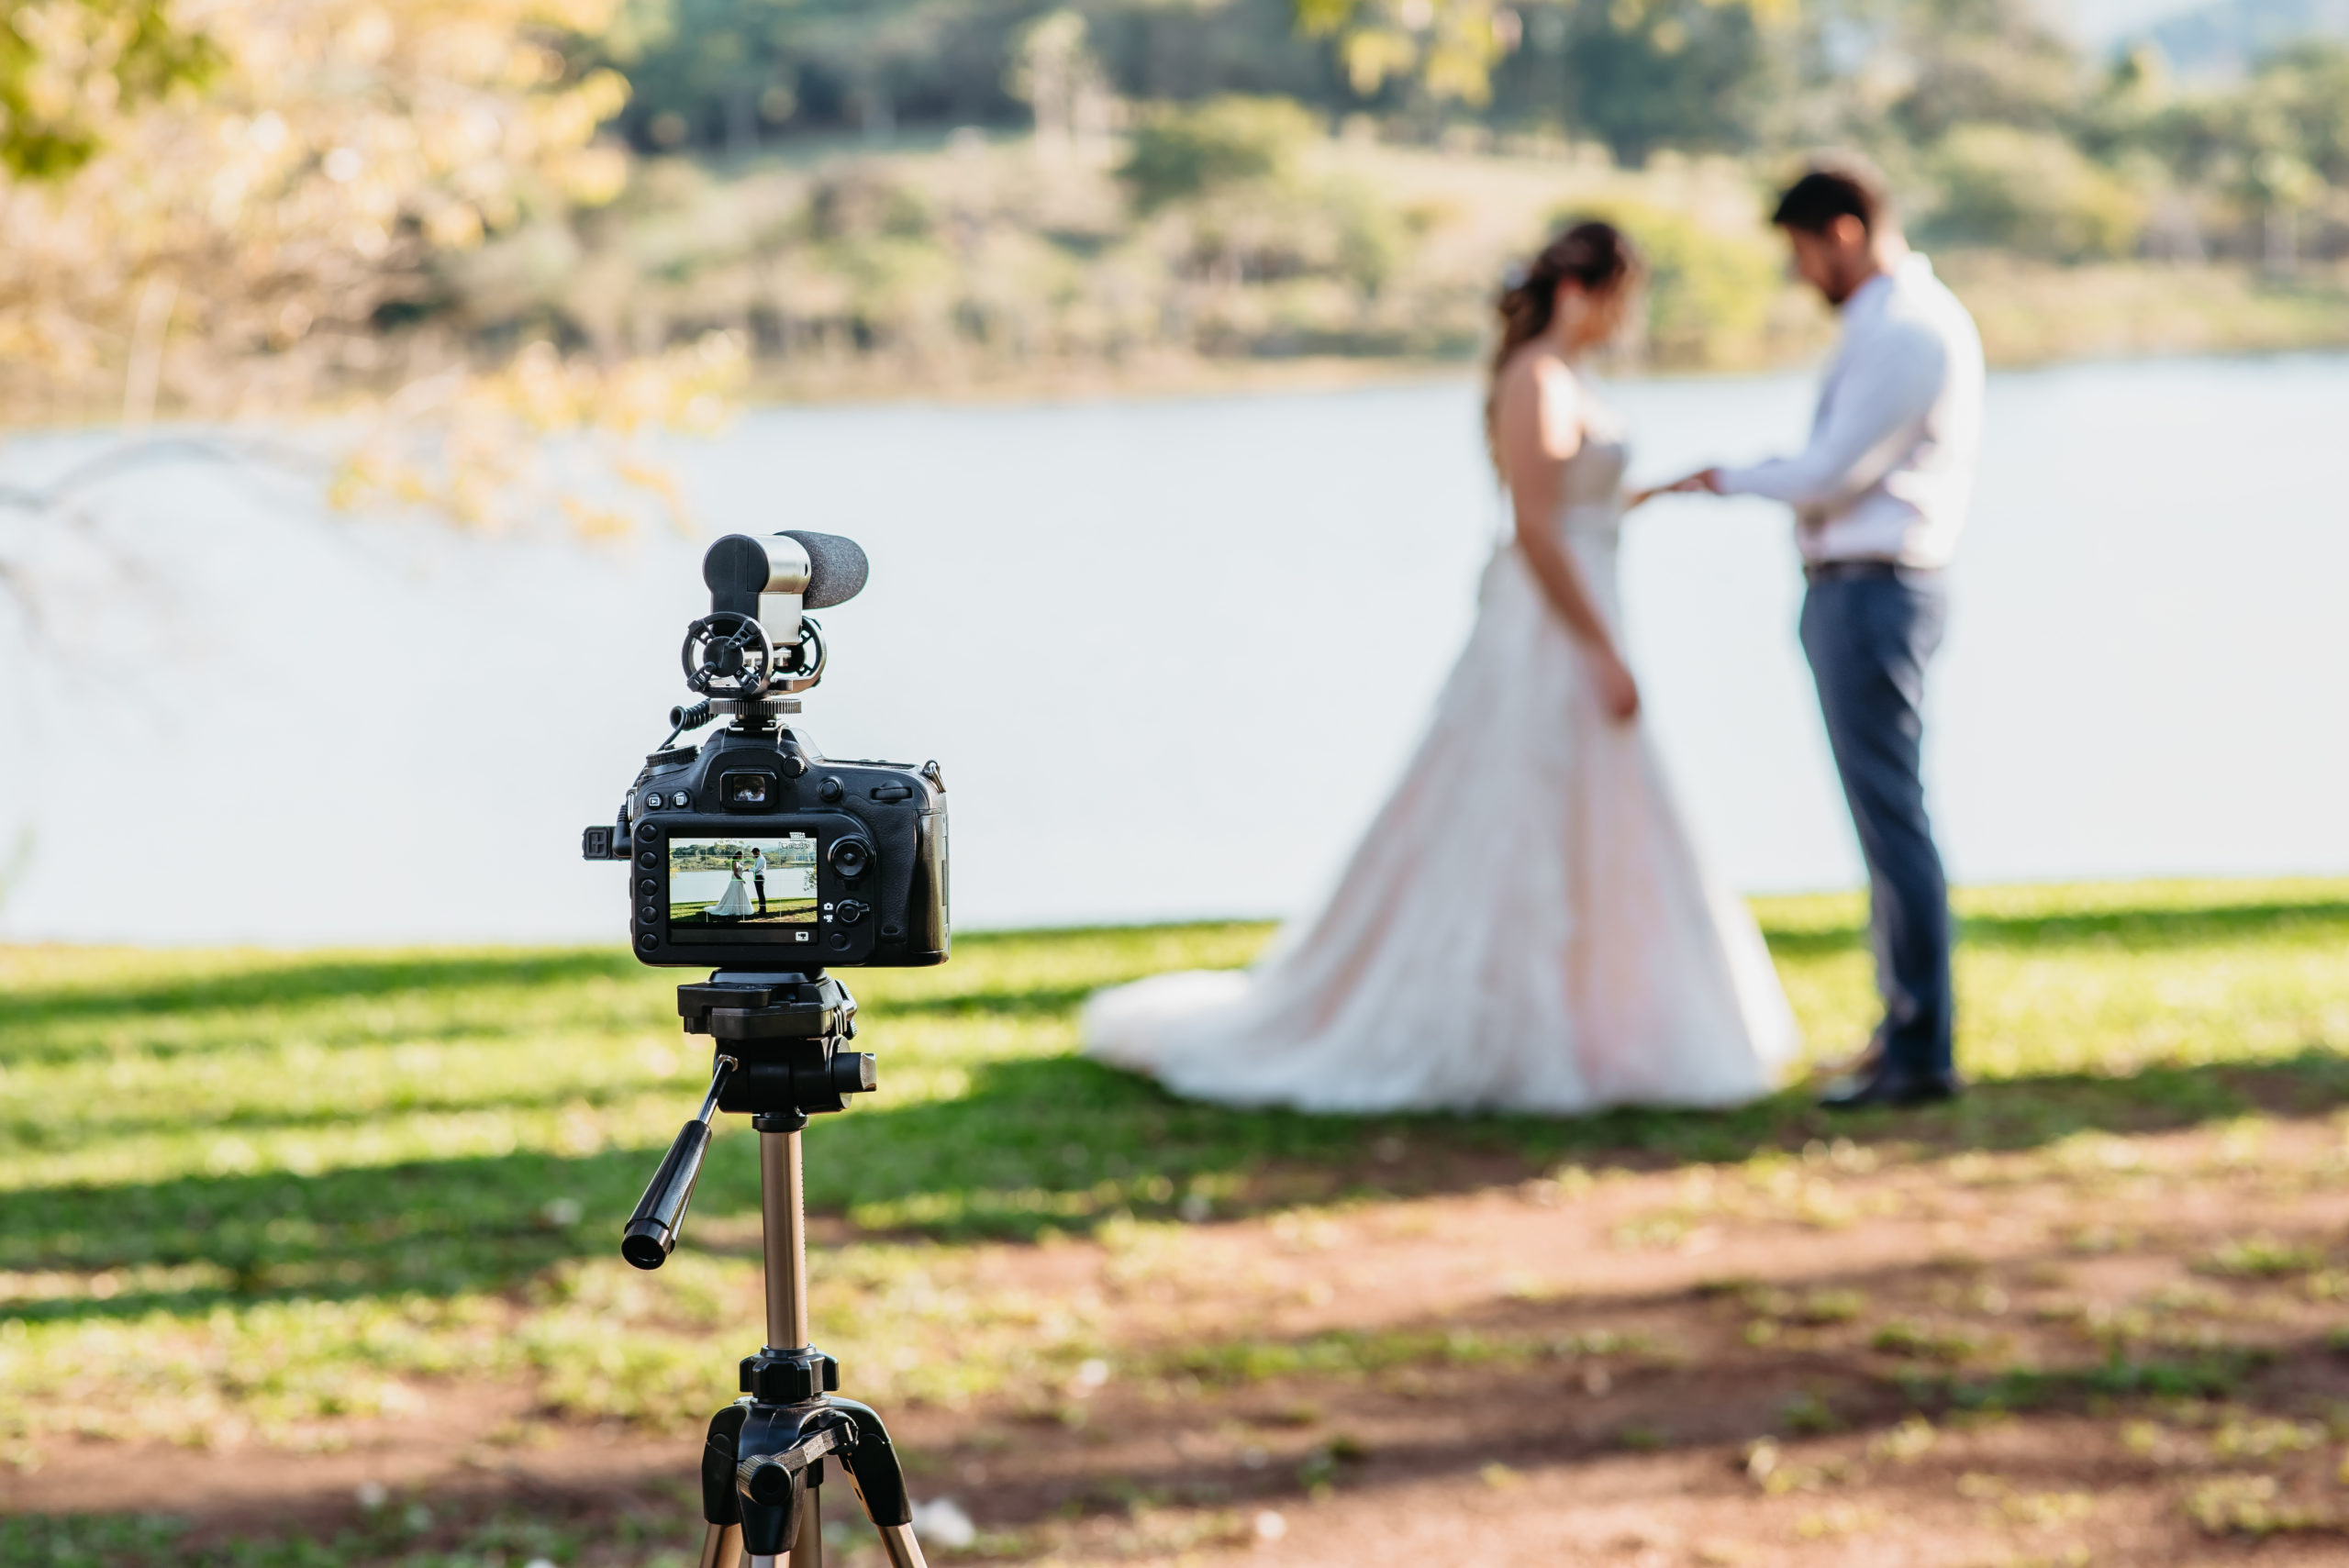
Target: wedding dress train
(736, 900)
(1525, 926)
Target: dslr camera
(755, 854)
(752, 849)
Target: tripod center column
(783, 1211)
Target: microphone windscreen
(836, 569)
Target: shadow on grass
(1056, 1143)
(1034, 1144)
(274, 982)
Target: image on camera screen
(744, 890)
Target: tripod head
(778, 1059)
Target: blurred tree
(1186, 150)
(1448, 48)
(1983, 63)
(244, 243)
(729, 75)
(1707, 296)
(2030, 191)
(251, 214)
(2306, 87)
(1055, 72)
(724, 74)
(65, 70)
(1637, 75)
(1690, 75)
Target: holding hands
(1705, 481)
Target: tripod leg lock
(871, 1460)
(720, 1504)
(766, 1459)
(777, 1448)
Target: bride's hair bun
(1592, 254)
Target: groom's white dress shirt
(1889, 469)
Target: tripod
(778, 1039)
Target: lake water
(1169, 653)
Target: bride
(737, 898)
(1525, 926)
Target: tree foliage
(226, 208)
(65, 68)
(1184, 151)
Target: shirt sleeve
(1872, 407)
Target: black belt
(1858, 570)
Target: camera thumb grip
(652, 1232)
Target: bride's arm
(1539, 430)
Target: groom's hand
(1705, 481)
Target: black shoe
(1889, 1085)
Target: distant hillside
(2223, 39)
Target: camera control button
(839, 941)
(647, 887)
(893, 792)
(646, 832)
(647, 942)
(794, 764)
(851, 910)
(831, 789)
(647, 859)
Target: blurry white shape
(942, 1522)
(1270, 1526)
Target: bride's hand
(1617, 690)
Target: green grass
(258, 1193)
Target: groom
(1879, 496)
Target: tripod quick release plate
(786, 1030)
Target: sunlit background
(373, 374)
(379, 371)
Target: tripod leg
(807, 1552)
(722, 1547)
(904, 1550)
(880, 1483)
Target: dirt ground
(2121, 1351)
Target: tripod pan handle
(652, 1232)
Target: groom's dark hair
(1829, 189)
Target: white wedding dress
(736, 900)
(1524, 927)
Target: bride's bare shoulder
(1537, 371)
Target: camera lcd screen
(743, 889)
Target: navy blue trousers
(1869, 639)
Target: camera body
(752, 850)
